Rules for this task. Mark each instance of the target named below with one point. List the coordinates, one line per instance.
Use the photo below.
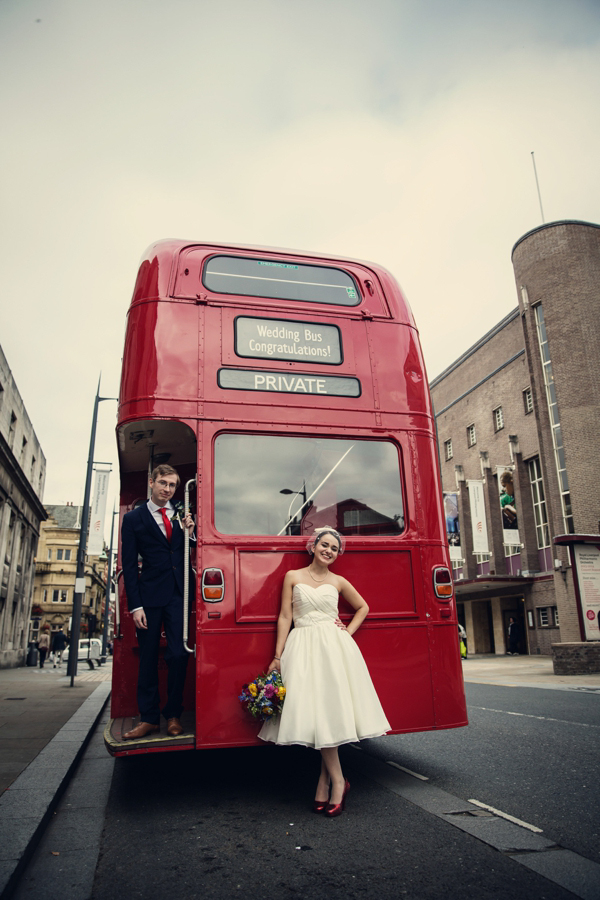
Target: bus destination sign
(282, 339)
(288, 383)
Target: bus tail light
(442, 583)
(213, 585)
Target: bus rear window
(279, 280)
(265, 484)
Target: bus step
(157, 742)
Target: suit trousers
(176, 658)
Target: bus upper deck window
(288, 485)
(280, 280)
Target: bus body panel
(179, 337)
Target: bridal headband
(319, 533)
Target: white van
(85, 650)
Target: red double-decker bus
(289, 391)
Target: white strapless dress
(330, 698)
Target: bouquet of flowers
(263, 697)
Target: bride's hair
(318, 533)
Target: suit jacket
(162, 562)
(59, 642)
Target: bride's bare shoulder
(294, 576)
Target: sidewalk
(524, 671)
(34, 705)
(45, 725)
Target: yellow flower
(267, 711)
(253, 690)
(281, 693)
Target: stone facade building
(55, 571)
(521, 408)
(22, 477)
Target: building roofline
(552, 225)
(480, 343)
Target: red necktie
(167, 521)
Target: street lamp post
(80, 574)
(300, 493)
(108, 588)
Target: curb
(28, 804)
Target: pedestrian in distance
(43, 647)
(330, 698)
(59, 642)
(155, 599)
(514, 635)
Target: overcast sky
(394, 130)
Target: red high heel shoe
(319, 806)
(336, 809)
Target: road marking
(408, 771)
(529, 716)
(503, 815)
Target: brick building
(518, 417)
(22, 477)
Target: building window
(555, 616)
(12, 428)
(539, 503)
(67, 555)
(49, 553)
(481, 558)
(512, 550)
(32, 466)
(59, 554)
(23, 451)
(528, 401)
(543, 617)
(448, 449)
(557, 441)
(64, 596)
(55, 596)
(471, 436)
(498, 419)
(45, 600)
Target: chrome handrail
(186, 566)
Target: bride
(330, 698)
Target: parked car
(88, 649)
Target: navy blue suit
(159, 589)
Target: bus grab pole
(186, 566)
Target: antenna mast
(538, 186)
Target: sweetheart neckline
(301, 584)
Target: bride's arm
(358, 603)
(284, 622)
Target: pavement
(524, 671)
(45, 725)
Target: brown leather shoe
(174, 728)
(140, 731)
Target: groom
(155, 599)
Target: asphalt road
(216, 824)
(219, 823)
(532, 753)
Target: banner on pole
(508, 509)
(478, 523)
(96, 538)
(452, 524)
